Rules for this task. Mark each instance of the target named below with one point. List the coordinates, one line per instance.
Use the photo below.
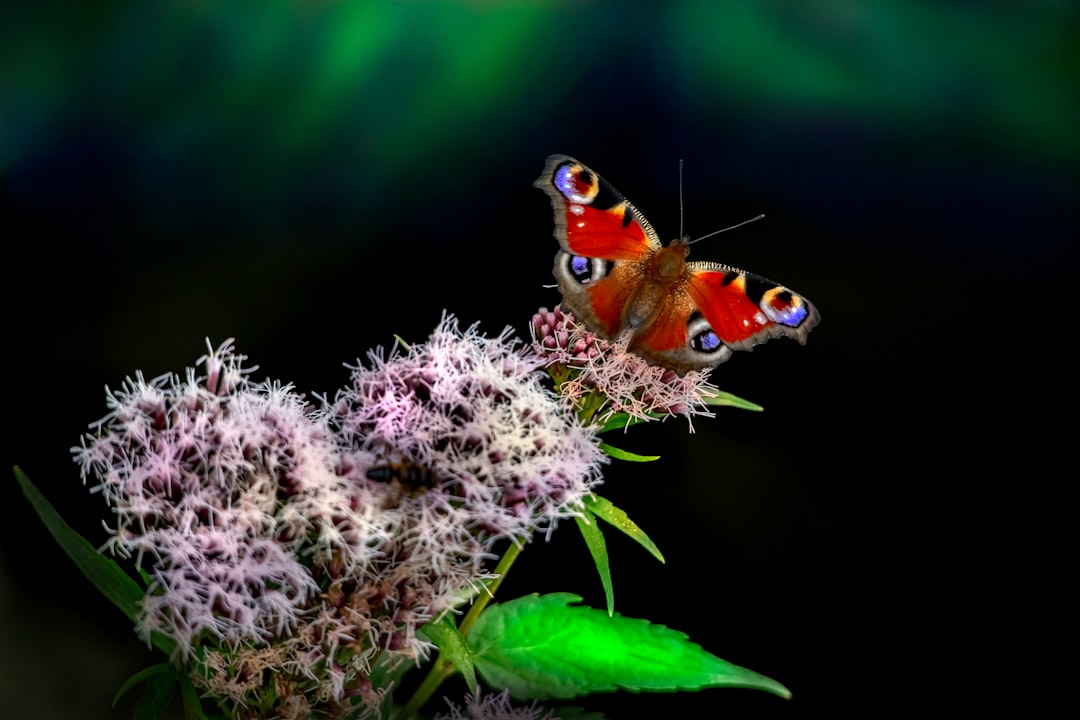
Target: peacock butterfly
(615, 275)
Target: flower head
(504, 457)
(191, 469)
(603, 379)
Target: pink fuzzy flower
(298, 543)
(191, 469)
(505, 458)
(604, 379)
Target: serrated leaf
(538, 647)
(726, 399)
(452, 647)
(603, 509)
(594, 540)
(619, 454)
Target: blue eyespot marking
(706, 341)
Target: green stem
(486, 597)
(442, 669)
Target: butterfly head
(668, 264)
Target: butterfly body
(616, 276)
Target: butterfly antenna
(680, 199)
(730, 227)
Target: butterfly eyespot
(705, 342)
(702, 337)
(783, 307)
(577, 184)
(585, 270)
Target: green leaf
(387, 672)
(622, 421)
(626, 455)
(156, 696)
(576, 712)
(142, 676)
(104, 573)
(726, 399)
(193, 709)
(603, 509)
(108, 577)
(594, 540)
(452, 647)
(539, 647)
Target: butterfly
(615, 276)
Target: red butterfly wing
(744, 309)
(609, 296)
(592, 219)
(604, 239)
(611, 234)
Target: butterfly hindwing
(745, 309)
(597, 290)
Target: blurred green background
(312, 178)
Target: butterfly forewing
(593, 219)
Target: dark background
(313, 180)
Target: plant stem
(443, 669)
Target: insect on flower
(410, 477)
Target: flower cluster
(602, 379)
(495, 707)
(296, 544)
(504, 457)
(191, 469)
